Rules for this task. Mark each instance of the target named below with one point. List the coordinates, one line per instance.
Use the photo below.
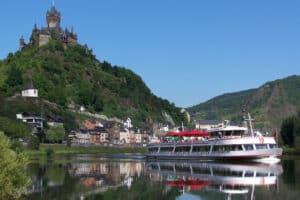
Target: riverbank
(291, 151)
(61, 149)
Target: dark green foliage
(55, 134)
(14, 77)
(49, 152)
(287, 131)
(33, 142)
(290, 129)
(13, 128)
(64, 75)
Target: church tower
(53, 18)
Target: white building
(128, 123)
(82, 138)
(31, 119)
(124, 136)
(138, 138)
(29, 90)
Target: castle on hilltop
(53, 30)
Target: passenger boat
(224, 142)
(227, 178)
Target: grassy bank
(291, 151)
(60, 149)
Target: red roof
(192, 133)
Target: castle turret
(22, 43)
(53, 18)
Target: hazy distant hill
(71, 75)
(268, 104)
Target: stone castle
(53, 30)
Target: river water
(93, 177)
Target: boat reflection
(229, 179)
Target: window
(271, 146)
(201, 148)
(261, 146)
(182, 149)
(153, 149)
(166, 149)
(248, 147)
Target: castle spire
(53, 3)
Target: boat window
(153, 167)
(224, 148)
(166, 149)
(182, 168)
(261, 146)
(201, 170)
(201, 148)
(183, 149)
(249, 174)
(248, 147)
(153, 149)
(261, 174)
(166, 168)
(271, 146)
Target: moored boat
(225, 142)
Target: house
(29, 90)
(113, 128)
(98, 136)
(54, 120)
(90, 125)
(80, 137)
(34, 120)
(138, 138)
(124, 136)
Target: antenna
(250, 124)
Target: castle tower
(53, 18)
(22, 43)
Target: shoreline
(61, 149)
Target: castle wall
(43, 39)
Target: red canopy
(195, 184)
(192, 133)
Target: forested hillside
(268, 104)
(71, 76)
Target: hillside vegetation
(72, 76)
(269, 104)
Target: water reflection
(98, 178)
(229, 179)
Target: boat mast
(250, 124)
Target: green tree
(287, 131)
(14, 77)
(33, 142)
(55, 134)
(13, 180)
(14, 128)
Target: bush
(49, 152)
(13, 180)
(33, 142)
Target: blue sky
(187, 51)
